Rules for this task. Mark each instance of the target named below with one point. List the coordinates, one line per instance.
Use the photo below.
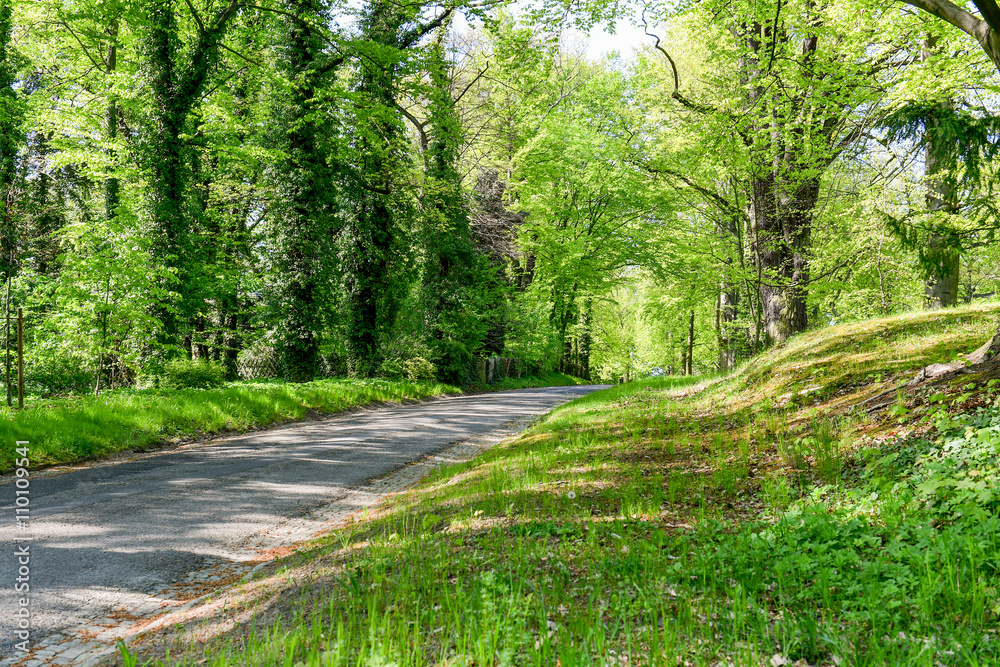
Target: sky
(626, 40)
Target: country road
(118, 542)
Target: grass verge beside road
(756, 519)
(550, 379)
(68, 429)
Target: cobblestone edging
(94, 644)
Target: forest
(309, 188)
(401, 333)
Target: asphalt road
(113, 536)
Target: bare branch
(694, 106)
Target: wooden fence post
(20, 358)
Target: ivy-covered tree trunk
(112, 186)
(373, 299)
(303, 217)
(176, 77)
(11, 140)
(452, 264)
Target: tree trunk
(941, 287)
(586, 339)
(782, 227)
(375, 292)
(111, 184)
(177, 77)
(304, 215)
(689, 362)
(725, 315)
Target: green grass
(550, 379)
(67, 429)
(674, 522)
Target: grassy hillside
(756, 519)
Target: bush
(55, 375)
(413, 369)
(419, 368)
(188, 374)
(455, 363)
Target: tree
(455, 277)
(590, 211)
(794, 94)
(304, 215)
(984, 28)
(11, 141)
(177, 70)
(376, 257)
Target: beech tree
(796, 93)
(984, 28)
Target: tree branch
(985, 30)
(472, 83)
(413, 36)
(694, 106)
(98, 65)
(194, 13)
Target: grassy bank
(67, 429)
(550, 379)
(667, 522)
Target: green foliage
(58, 374)
(199, 179)
(960, 137)
(189, 374)
(413, 369)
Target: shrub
(455, 363)
(188, 374)
(413, 369)
(419, 368)
(55, 375)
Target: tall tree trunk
(304, 218)
(453, 276)
(782, 228)
(177, 78)
(689, 361)
(586, 338)
(725, 315)
(941, 286)
(11, 140)
(112, 186)
(727, 303)
(374, 293)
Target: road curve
(111, 539)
